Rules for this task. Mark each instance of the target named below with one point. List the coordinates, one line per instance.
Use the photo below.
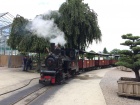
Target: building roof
(6, 20)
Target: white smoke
(47, 29)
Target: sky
(115, 17)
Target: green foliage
(105, 51)
(127, 42)
(32, 43)
(52, 15)
(115, 51)
(133, 37)
(79, 23)
(128, 65)
(92, 51)
(89, 55)
(137, 56)
(23, 40)
(136, 49)
(126, 52)
(126, 58)
(130, 37)
(137, 43)
(131, 58)
(18, 31)
(137, 63)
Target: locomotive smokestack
(52, 47)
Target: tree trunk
(137, 74)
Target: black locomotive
(60, 64)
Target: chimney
(52, 47)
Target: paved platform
(83, 90)
(12, 78)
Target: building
(6, 20)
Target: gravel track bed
(109, 88)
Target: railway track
(24, 95)
(20, 95)
(32, 96)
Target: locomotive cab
(73, 54)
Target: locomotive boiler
(60, 64)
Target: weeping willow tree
(79, 23)
(131, 58)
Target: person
(24, 63)
(29, 64)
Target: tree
(131, 58)
(115, 51)
(32, 43)
(52, 15)
(92, 51)
(90, 55)
(105, 51)
(25, 41)
(79, 23)
(18, 31)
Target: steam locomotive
(64, 63)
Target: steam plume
(47, 29)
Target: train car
(97, 60)
(86, 63)
(113, 59)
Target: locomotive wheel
(73, 73)
(51, 83)
(66, 77)
(59, 79)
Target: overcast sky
(115, 17)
